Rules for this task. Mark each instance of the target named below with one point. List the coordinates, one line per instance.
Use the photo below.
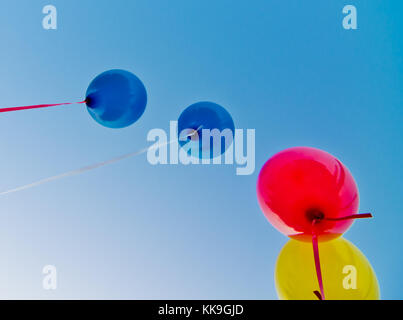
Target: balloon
(201, 117)
(347, 274)
(116, 98)
(301, 185)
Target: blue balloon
(200, 117)
(116, 98)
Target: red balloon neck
(315, 215)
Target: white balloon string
(91, 167)
(85, 169)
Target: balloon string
(321, 294)
(38, 106)
(315, 246)
(85, 169)
(353, 216)
(317, 293)
(91, 167)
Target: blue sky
(131, 230)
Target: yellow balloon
(346, 272)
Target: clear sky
(132, 230)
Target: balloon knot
(315, 215)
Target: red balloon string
(38, 106)
(321, 294)
(353, 216)
(315, 246)
(317, 293)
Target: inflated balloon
(347, 274)
(207, 128)
(116, 98)
(303, 185)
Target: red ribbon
(353, 216)
(315, 246)
(37, 106)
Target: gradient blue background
(131, 230)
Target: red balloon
(300, 188)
